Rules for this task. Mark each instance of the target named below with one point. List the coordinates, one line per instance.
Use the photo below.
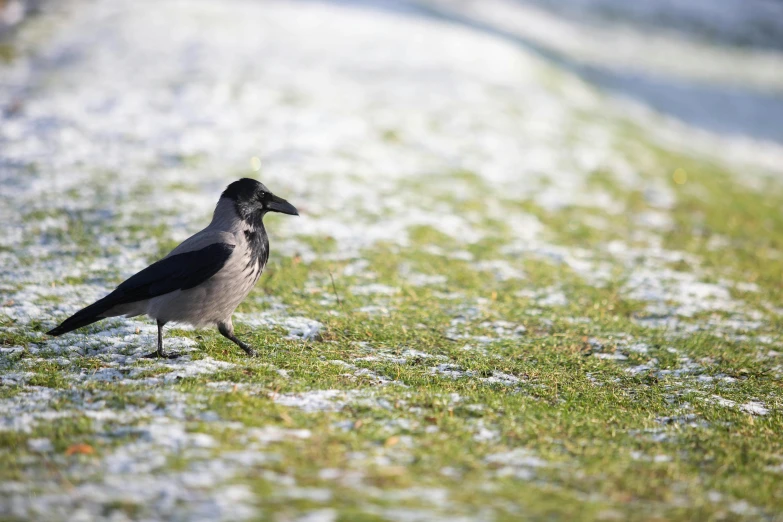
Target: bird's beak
(276, 204)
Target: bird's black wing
(177, 272)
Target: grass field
(504, 299)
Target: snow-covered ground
(122, 120)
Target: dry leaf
(80, 449)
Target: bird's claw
(164, 355)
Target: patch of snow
(752, 407)
(374, 289)
(297, 327)
(500, 269)
(314, 401)
(40, 445)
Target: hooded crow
(203, 280)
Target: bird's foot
(161, 355)
(248, 350)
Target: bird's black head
(252, 200)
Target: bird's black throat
(258, 243)
(255, 234)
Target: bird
(202, 281)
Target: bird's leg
(161, 353)
(226, 329)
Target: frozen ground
(508, 295)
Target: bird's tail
(85, 316)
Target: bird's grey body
(215, 300)
(203, 280)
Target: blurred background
(574, 122)
(717, 66)
(713, 65)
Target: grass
(568, 434)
